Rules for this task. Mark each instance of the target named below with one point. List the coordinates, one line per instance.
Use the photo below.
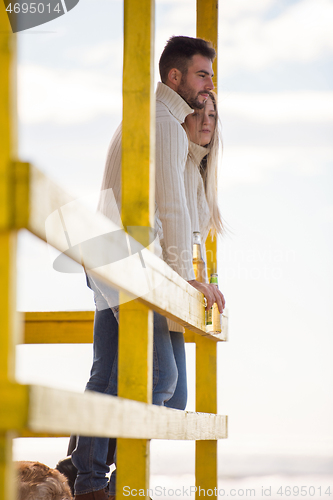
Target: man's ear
(174, 78)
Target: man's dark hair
(178, 52)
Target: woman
(201, 170)
(169, 366)
(201, 195)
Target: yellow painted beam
(71, 327)
(138, 207)
(58, 327)
(206, 381)
(189, 336)
(207, 27)
(135, 352)
(138, 135)
(14, 406)
(132, 467)
(206, 468)
(7, 252)
(8, 124)
(8, 484)
(206, 401)
(20, 179)
(211, 254)
(8, 318)
(6, 359)
(27, 433)
(7, 154)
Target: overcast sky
(275, 192)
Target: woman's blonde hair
(209, 172)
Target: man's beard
(187, 95)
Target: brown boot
(94, 495)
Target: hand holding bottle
(212, 294)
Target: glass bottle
(213, 321)
(198, 262)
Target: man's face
(194, 86)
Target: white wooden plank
(156, 285)
(58, 411)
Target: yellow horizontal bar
(27, 433)
(72, 327)
(69, 327)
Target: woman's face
(201, 124)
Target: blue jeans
(169, 387)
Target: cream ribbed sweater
(195, 194)
(176, 205)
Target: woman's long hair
(209, 173)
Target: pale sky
(275, 192)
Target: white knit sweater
(195, 194)
(176, 206)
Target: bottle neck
(196, 237)
(197, 255)
(213, 279)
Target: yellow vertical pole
(206, 374)
(138, 183)
(207, 28)
(7, 239)
(206, 401)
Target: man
(186, 74)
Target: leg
(71, 445)
(179, 398)
(169, 351)
(90, 455)
(165, 373)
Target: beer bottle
(198, 262)
(213, 321)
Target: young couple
(186, 201)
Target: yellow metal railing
(27, 197)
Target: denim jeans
(169, 385)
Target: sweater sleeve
(110, 196)
(171, 155)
